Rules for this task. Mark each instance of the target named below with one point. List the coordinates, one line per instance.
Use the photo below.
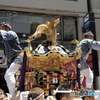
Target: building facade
(25, 15)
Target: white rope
(62, 91)
(37, 97)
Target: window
(21, 19)
(66, 29)
(69, 28)
(70, 0)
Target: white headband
(62, 91)
(37, 97)
(98, 91)
(88, 33)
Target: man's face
(90, 98)
(2, 27)
(41, 98)
(70, 98)
(90, 37)
(67, 97)
(1, 95)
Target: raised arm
(95, 45)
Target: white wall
(75, 6)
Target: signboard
(86, 18)
(88, 22)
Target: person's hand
(3, 60)
(6, 98)
(50, 98)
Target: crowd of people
(62, 92)
(14, 54)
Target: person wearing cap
(86, 45)
(12, 49)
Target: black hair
(7, 25)
(83, 98)
(63, 87)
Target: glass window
(21, 19)
(68, 45)
(70, 0)
(66, 29)
(2, 16)
(69, 28)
